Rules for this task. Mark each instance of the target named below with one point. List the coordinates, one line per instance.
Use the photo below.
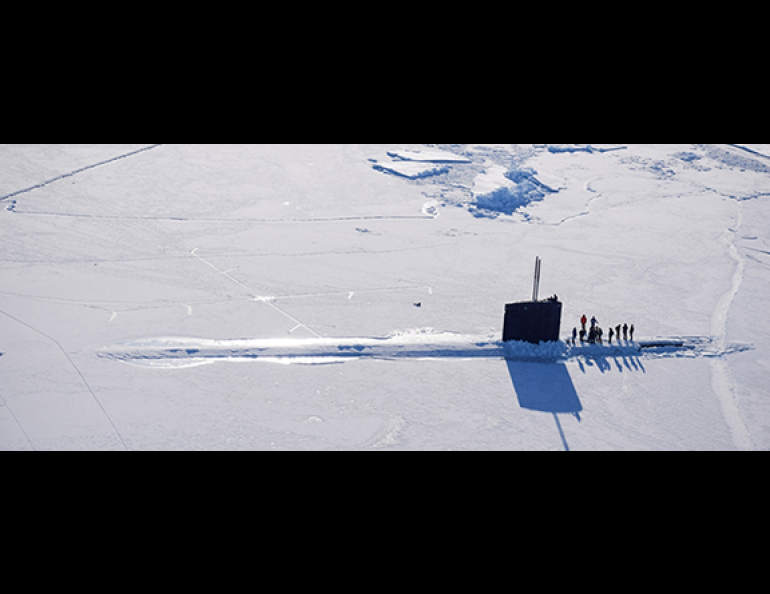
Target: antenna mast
(533, 321)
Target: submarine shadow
(545, 387)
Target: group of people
(596, 334)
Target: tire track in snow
(722, 380)
(266, 300)
(77, 171)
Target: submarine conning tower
(533, 321)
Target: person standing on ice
(594, 322)
(574, 336)
(617, 332)
(583, 322)
(612, 335)
(625, 332)
(632, 331)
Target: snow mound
(414, 344)
(579, 148)
(415, 333)
(763, 150)
(411, 170)
(411, 344)
(431, 156)
(431, 208)
(500, 191)
(418, 164)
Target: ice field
(351, 296)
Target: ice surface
(277, 260)
(421, 345)
(411, 170)
(418, 164)
(762, 150)
(428, 156)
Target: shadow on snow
(547, 388)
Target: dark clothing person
(617, 332)
(612, 335)
(632, 332)
(574, 336)
(625, 331)
(582, 335)
(594, 322)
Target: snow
(758, 149)
(266, 296)
(411, 170)
(491, 179)
(417, 164)
(428, 156)
(422, 344)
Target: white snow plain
(350, 296)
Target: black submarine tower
(533, 321)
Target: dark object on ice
(631, 332)
(533, 321)
(418, 304)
